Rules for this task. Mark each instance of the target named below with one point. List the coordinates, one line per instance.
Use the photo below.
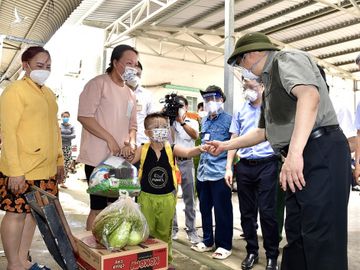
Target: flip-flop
(37, 266)
(221, 253)
(200, 247)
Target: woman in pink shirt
(107, 112)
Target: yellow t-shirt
(31, 140)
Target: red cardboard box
(152, 254)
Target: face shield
(213, 102)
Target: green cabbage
(120, 236)
(135, 238)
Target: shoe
(37, 266)
(63, 186)
(174, 235)
(193, 237)
(271, 264)
(355, 188)
(249, 261)
(221, 253)
(200, 247)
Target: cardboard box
(152, 254)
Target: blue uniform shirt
(212, 168)
(242, 122)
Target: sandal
(37, 266)
(200, 247)
(221, 253)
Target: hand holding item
(128, 151)
(215, 148)
(114, 147)
(17, 184)
(60, 174)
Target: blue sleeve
(235, 124)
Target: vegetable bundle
(121, 224)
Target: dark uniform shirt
(283, 71)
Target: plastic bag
(121, 224)
(112, 175)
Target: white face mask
(39, 76)
(134, 81)
(248, 75)
(213, 106)
(203, 114)
(129, 74)
(182, 112)
(251, 95)
(160, 134)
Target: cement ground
(75, 201)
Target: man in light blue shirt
(256, 177)
(211, 187)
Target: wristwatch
(183, 124)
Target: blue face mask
(65, 120)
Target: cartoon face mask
(129, 74)
(160, 134)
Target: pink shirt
(113, 108)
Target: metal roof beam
(342, 63)
(247, 12)
(135, 17)
(181, 42)
(323, 30)
(339, 53)
(355, 5)
(340, 72)
(196, 31)
(175, 12)
(5, 75)
(331, 42)
(304, 18)
(339, 7)
(88, 12)
(204, 15)
(275, 15)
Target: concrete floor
(75, 205)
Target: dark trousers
(217, 195)
(316, 217)
(257, 191)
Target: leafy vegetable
(120, 236)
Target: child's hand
(204, 148)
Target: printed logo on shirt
(158, 177)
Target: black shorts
(97, 202)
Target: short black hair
(200, 105)
(182, 98)
(152, 116)
(139, 65)
(62, 114)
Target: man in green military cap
(299, 121)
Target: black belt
(316, 133)
(258, 161)
(182, 158)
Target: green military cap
(249, 43)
